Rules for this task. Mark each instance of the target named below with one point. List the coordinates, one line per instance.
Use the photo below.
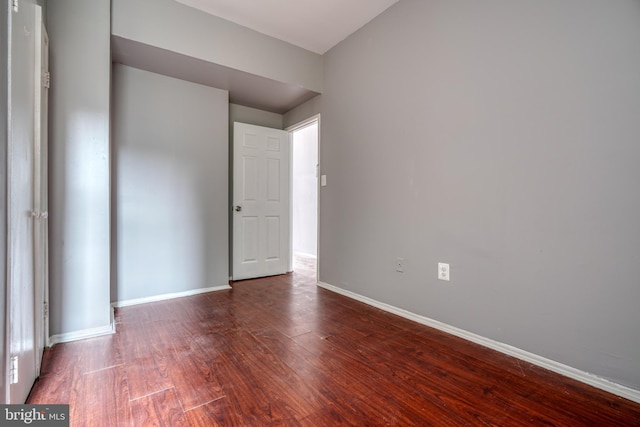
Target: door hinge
(13, 370)
(15, 5)
(46, 79)
(45, 310)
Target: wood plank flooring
(282, 352)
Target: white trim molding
(84, 334)
(552, 365)
(110, 329)
(304, 123)
(164, 297)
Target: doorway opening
(304, 196)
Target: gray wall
(302, 112)
(170, 140)
(188, 31)
(500, 137)
(80, 66)
(253, 116)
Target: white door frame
(41, 270)
(291, 129)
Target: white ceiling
(315, 25)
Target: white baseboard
(84, 334)
(552, 365)
(111, 328)
(163, 297)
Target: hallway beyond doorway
(304, 188)
(305, 265)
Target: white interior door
(261, 243)
(41, 188)
(20, 207)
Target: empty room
(317, 213)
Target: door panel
(250, 175)
(273, 180)
(250, 242)
(260, 201)
(273, 239)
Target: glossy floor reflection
(281, 351)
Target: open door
(260, 210)
(21, 214)
(41, 189)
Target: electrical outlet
(400, 265)
(443, 271)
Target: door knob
(238, 208)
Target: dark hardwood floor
(281, 351)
